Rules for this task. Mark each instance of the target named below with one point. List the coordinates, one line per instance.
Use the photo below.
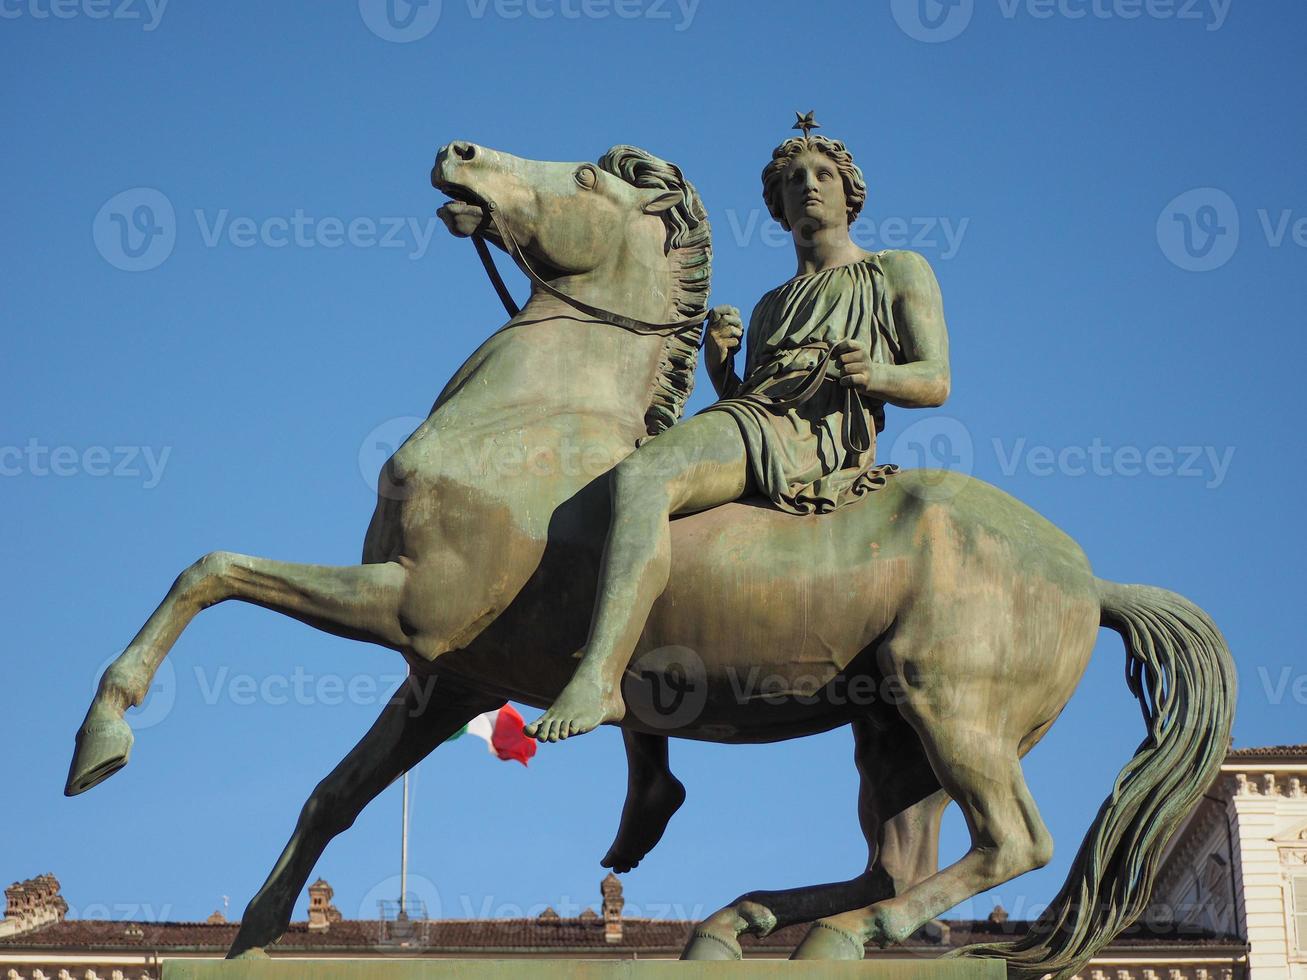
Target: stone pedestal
(560, 969)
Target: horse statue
(480, 563)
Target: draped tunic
(802, 455)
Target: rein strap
(599, 313)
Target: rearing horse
(481, 560)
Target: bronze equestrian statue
(499, 517)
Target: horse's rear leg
(900, 807)
(360, 602)
(982, 772)
(416, 720)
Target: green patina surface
(578, 970)
(529, 519)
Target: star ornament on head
(806, 122)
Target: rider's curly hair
(855, 185)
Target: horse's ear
(658, 201)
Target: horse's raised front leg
(360, 602)
(418, 719)
(653, 794)
(900, 808)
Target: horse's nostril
(464, 151)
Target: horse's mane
(689, 250)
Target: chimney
(31, 904)
(611, 889)
(321, 912)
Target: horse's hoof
(828, 942)
(706, 945)
(253, 953)
(104, 744)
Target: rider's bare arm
(725, 330)
(922, 381)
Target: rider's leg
(653, 794)
(699, 463)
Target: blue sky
(1111, 195)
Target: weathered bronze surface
(945, 622)
(441, 969)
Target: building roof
(519, 935)
(1295, 752)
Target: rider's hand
(854, 360)
(725, 328)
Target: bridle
(599, 313)
(855, 434)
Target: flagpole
(403, 855)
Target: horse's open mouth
(460, 194)
(465, 212)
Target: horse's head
(627, 234)
(610, 221)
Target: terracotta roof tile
(508, 934)
(1268, 752)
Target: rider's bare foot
(583, 706)
(648, 807)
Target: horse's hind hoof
(253, 953)
(104, 744)
(705, 944)
(828, 942)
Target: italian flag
(502, 732)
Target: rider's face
(813, 193)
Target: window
(1213, 908)
(1298, 895)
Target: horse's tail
(1180, 669)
